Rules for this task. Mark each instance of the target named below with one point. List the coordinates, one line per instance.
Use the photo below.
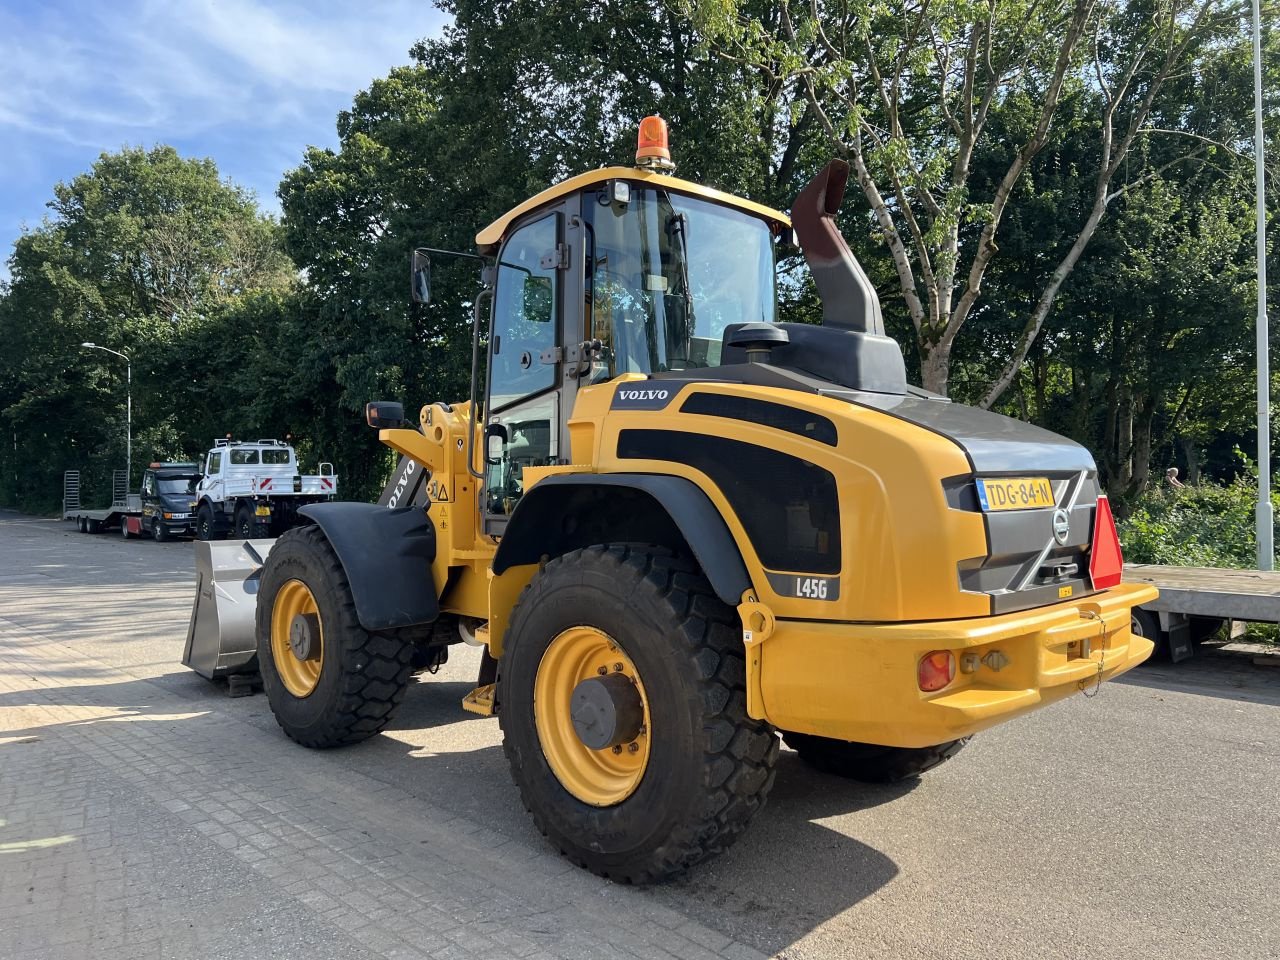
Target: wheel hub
(606, 711)
(297, 638)
(304, 636)
(592, 716)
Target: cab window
(667, 273)
(244, 457)
(524, 311)
(215, 462)
(523, 409)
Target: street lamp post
(1266, 555)
(128, 402)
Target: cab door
(524, 409)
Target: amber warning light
(652, 149)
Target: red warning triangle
(1106, 563)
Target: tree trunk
(1190, 453)
(1141, 456)
(935, 367)
(1124, 437)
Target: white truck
(254, 489)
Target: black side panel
(802, 423)
(387, 557)
(788, 506)
(547, 519)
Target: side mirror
(384, 414)
(496, 437)
(420, 277)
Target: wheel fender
(535, 524)
(386, 555)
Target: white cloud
(249, 82)
(95, 74)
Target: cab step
(480, 700)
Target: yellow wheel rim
(603, 777)
(299, 674)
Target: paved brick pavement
(136, 823)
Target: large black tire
(206, 529)
(124, 528)
(869, 762)
(244, 522)
(93, 526)
(362, 675)
(159, 532)
(710, 766)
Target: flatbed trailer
(1195, 601)
(95, 520)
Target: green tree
(910, 94)
(133, 254)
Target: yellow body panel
(858, 681)
(489, 238)
(900, 539)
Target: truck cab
(254, 489)
(166, 496)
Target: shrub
(1209, 525)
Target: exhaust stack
(849, 301)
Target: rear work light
(936, 670)
(1106, 563)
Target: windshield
(177, 483)
(667, 273)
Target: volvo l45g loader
(679, 528)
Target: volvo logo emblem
(1061, 526)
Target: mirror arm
(456, 253)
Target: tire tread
(739, 753)
(375, 667)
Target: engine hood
(992, 442)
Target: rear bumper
(858, 681)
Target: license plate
(263, 511)
(1015, 493)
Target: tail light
(936, 670)
(1106, 563)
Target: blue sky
(250, 83)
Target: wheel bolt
(633, 747)
(617, 748)
(617, 667)
(602, 670)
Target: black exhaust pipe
(848, 299)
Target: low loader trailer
(97, 519)
(684, 533)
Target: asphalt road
(1139, 823)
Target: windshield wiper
(677, 230)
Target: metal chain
(1102, 656)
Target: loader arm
(460, 569)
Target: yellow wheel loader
(680, 529)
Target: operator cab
(628, 271)
(617, 271)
